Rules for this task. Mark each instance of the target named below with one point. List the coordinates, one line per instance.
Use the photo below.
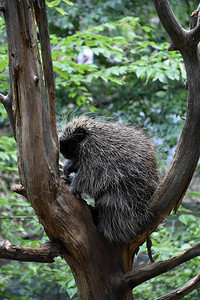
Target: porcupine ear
(70, 147)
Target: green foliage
(175, 235)
(121, 55)
(3, 59)
(8, 154)
(145, 58)
(132, 77)
(55, 3)
(84, 14)
(18, 221)
(37, 281)
(30, 280)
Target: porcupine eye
(70, 147)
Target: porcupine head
(116, 166)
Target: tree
(102, 270)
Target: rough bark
(98, 266)
(43, 254)
(95, 263)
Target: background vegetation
(134, 79)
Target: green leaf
(140, 71)
(3, 64)
(53, 3)
(68, 2)
(194, 194)
(61, 11)
(186, 219)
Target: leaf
(160, 76)
(140, 71)
(194, 194)
(68, 2)
(53, 3)
(61, 11)
(150, 72)
(3, 64)
(147, 28)
(186, 219)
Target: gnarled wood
(43, 254)
(95, 263)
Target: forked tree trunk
(99, 267)
(96, 264)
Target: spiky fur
(116, 166)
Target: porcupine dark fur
(116, 166)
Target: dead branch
(43, 254)
(146, 272)
(19, 189)
(185, 289)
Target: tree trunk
(96, 264)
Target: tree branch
(146, 272)
(42, 22)
(169, 22)
(185, 289)
(193, 35)
(175, 183)
(194, 18)
(43, 254)
(178, 177)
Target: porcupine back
(115, 165)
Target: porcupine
(115, 165)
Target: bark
(43, 254)
(99, 267)
(95, 263)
